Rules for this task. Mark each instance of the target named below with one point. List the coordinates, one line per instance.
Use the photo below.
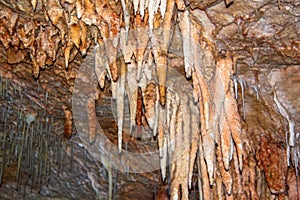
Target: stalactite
(219, 185)
(120, 98)
(243, 96)
(126, 17)
(204, 106)
(79, 8)
(135, 6)
(132, 90)
(196, 87)
(222, 84)
(237, 185)
(141, 45)
(171, 115)
(185, 147)
(142, 8)
(139, 113)
(75, 34)
(151, 11)
(207, 137)
(89, 15)
(163, 7)
(114, 88)
(112, 20)
(234, 120)
(291, 123)
(224, 173)
(36, 68)
(100, 63)
(160, 48)
(235, 85)
(164, 159)
(161, 140)
(150, 99)
(54, 11)
(67, 52)
(204, 176)
(175, 170)
(33, 4)
(225, 140)
(290, 136)
(185, 30)
(195, 132)
(199, 179)
(68, 123)
(173, 121)
(85, 41)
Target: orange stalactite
(203, 176)
(54, 11)
(225, 174)
(68, 123)
(234, 121)
(75, 34)
(149, 99)
(139, 113)
(89, 16)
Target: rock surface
(37, 45)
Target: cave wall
(228, 69)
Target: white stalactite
(291, 123)
(161, 141)
(163, 7)
(185, 30)
(126, 18)
(242, 84)
(132, 88)
(157, 2)
(164, 159)
(235, 86)
(151, 11)
(120, 99)
(195, 132)
(172, 128)
(135, 5)
(142, 8)
(201, 94)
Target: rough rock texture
(43, 46)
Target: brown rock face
(271, 156)
(105, 99)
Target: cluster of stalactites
(173, 114)
(64, 29)
(291, 138)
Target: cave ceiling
(149, 99)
